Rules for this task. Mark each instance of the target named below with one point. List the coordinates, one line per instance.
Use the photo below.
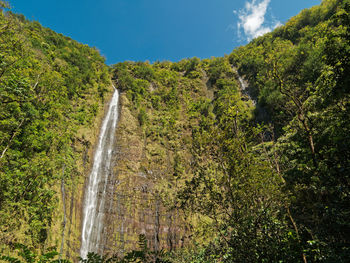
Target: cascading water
(244, 86)
(262, 113)
(95, 193)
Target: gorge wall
(153, 152)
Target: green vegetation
(24, 254)
(301, 78)
(50, 88)
(143, 254)
(240, 180)
(264, 183)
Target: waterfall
(261, 115)
(95, 192)
(244, 86)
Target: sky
(157, 30)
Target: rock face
(133, 202)
(134, 205)
(160, 109)
(161, 106)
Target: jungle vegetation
(50, 87)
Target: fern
(26, 255)
(143, 242)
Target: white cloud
(252, 19)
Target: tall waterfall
(95, 193)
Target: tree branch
(12, 137)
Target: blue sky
(140, 30)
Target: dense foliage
(50, 87)
(300, 76)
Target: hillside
(52, 91)
(241, 158)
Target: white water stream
(244, 86)
(95, 193)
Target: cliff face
(161, 106)
(136, 206)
